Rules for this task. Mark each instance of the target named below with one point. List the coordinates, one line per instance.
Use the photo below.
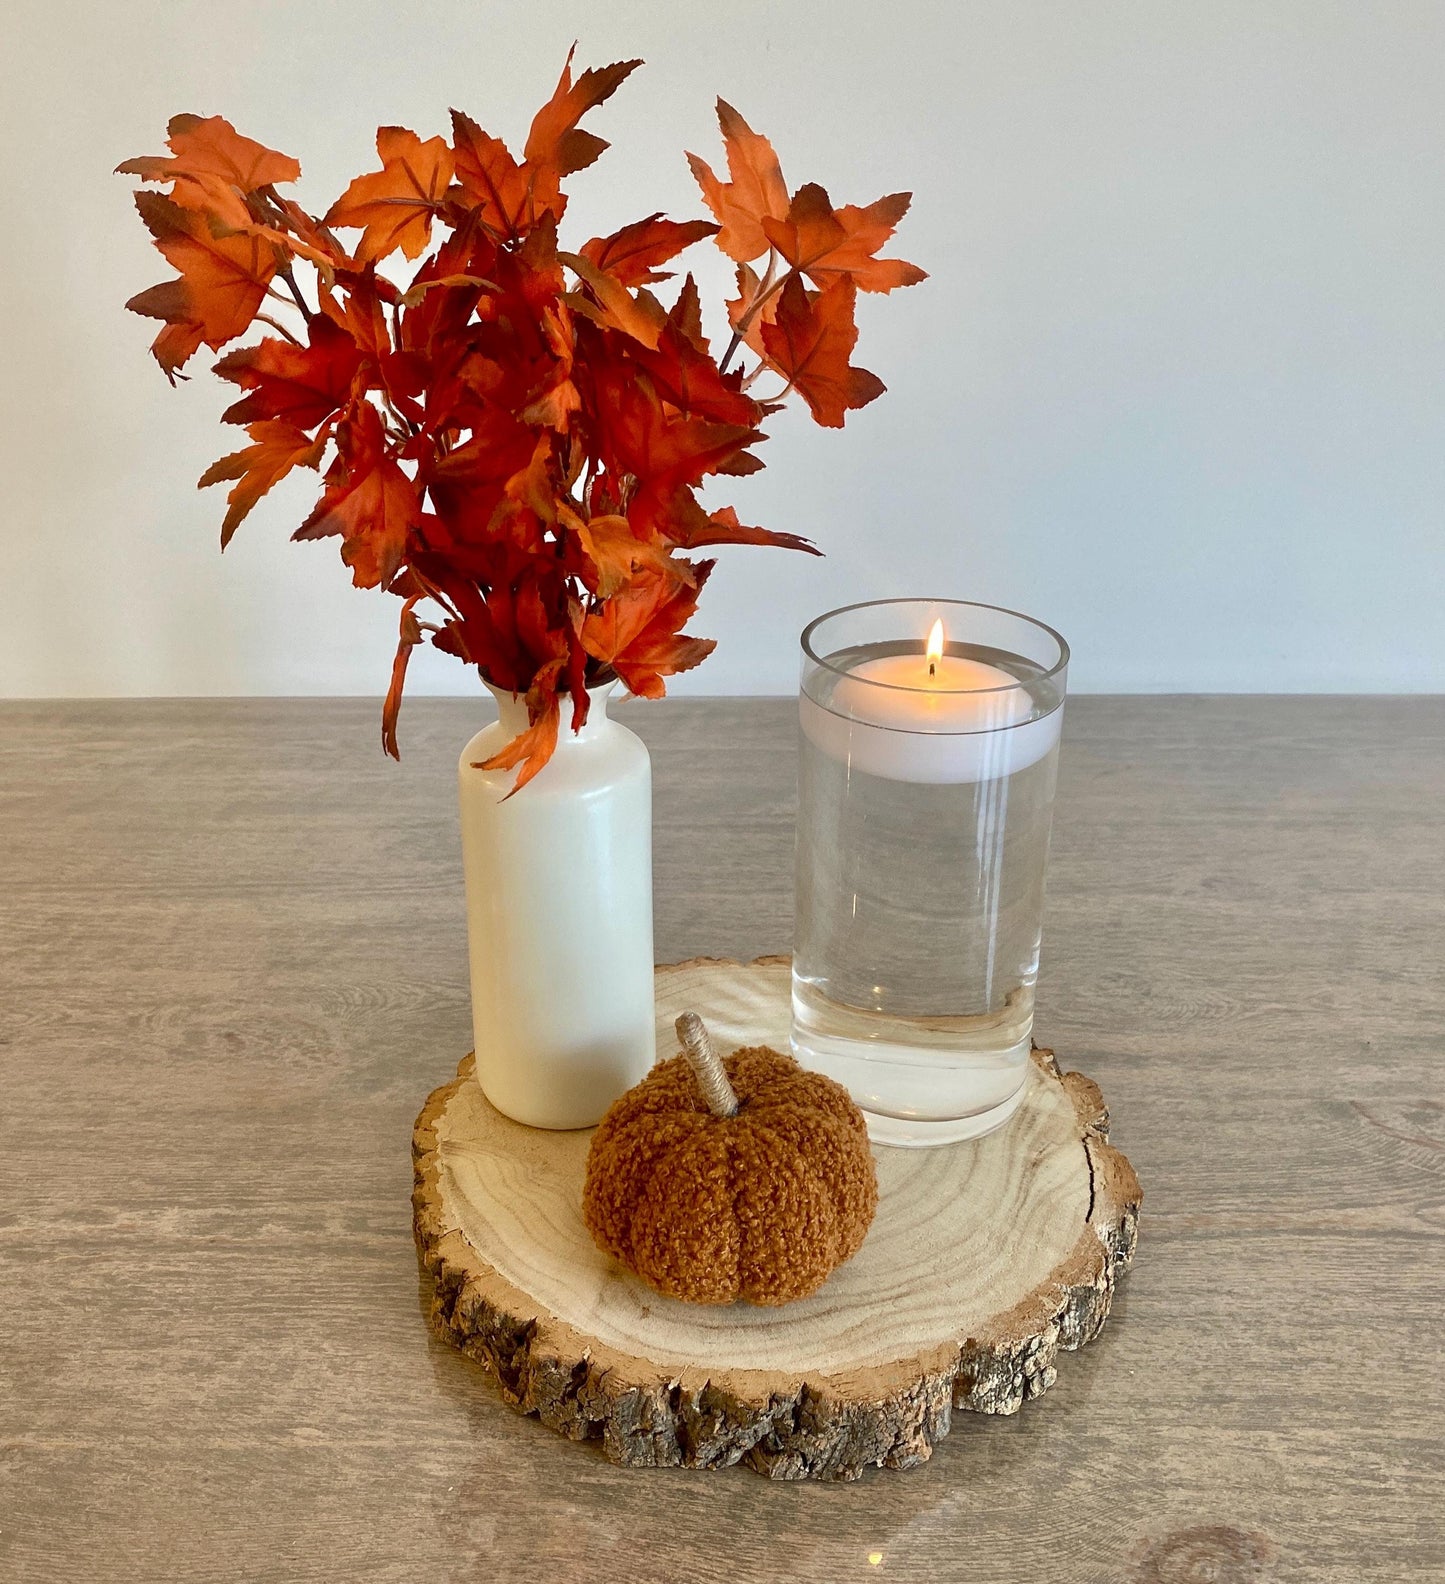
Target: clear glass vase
(929, 745)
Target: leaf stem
(295, 290)
(767, 287)
(434, 593)
(277, 325)
(408, 428)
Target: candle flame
(934, 647)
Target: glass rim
(806, 641)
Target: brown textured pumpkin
(716, 1180)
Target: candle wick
(933, 668)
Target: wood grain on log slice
(985, 1259)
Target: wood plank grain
(232, 962)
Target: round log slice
(985, 1258)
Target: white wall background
(1177, 384)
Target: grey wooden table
(232, 964)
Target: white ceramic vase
(559, 918)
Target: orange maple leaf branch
(518, 437)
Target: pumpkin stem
(707, 1068)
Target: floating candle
(932, 691)
(928, 715)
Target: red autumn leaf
(658, 449)
(551, 397)
(212, 167)
(535, 486)
(520, 632)
(810, 343)
(396, 204)
(613, 552)
(230, 179)
(612, 306)
(755, 191)
(637, 631)
(391, 707)
(278, 448)
(469, 482)
(531, 749)
(222, 281)
(723, 527)
(435, 329)
(305, 235)
(632, 255)
(687, 315)
(368, 500)
(825, 243)
(512, 196)
(539, 633)
(750, 310)
(361, 314)
(555, 405)
(475, 635)
(686, 375)
(498, 187)
(556, 146)
(302, 384)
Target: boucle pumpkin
(716, 1180)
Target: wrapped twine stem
(706, 1065)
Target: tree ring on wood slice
(985, 1258)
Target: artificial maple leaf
(533, 485)
(543, 615)
(524, 641)
(556, 146)
(531, 273)
(473, 636)
(212, 167)
(391, 707)
(498, 187)
(361, 311)
(687, 314)
(396, 204)
(560, 398)
(824, 243)
(632, 255)
(638, 315)
(755, 191)
(723, 527)
(435, 327)
(518, 349)
(278, 448)
(749, 311)
(174, 346)
(531, 749)
(554, 407)
(613, 552)
(575, 674)
(685, 375)
(809, 343)
(302, 384)
(306, 235)
(469, 482)
(511, 196)
(368, 500)
(222, 281)
(637, 631)
(660, 450)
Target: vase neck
(512, 711)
